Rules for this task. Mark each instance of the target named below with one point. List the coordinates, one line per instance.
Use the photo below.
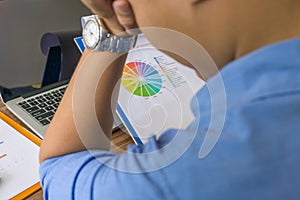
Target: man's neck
(267, 29)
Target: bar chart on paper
(2, 155)
(18, 162)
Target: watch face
(91, 34)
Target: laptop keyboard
(43, 106)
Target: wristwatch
(96, 37)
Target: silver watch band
(114, 43)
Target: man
(254, 44)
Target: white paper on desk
(19, 166)
(156, 92)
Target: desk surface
(119, 138)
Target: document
(156, 92)
(19, 166)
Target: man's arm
(62, 136)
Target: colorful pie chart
(141, 79)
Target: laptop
(37, 108)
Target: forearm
(62, 136)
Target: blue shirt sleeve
(94, 174)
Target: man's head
(227, 29)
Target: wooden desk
(119, 138)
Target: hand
(116, 14)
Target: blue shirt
(256, 156)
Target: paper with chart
(19, 166)
(156, 92)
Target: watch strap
(118, 44)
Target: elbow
(42, 156)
